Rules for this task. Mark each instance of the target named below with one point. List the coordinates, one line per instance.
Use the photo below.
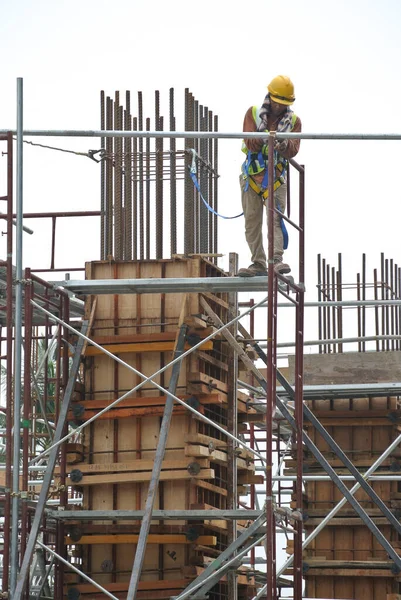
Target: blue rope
(283, 229)
(192, 172)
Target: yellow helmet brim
(281, 100)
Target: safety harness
(256, 162)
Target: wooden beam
(142, 347)
(127, 538)
(135, 465)
(122, 586)
(140, 477)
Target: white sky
(344, 58)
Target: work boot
(254, 270)
(281, 267)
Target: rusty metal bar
(103, 250)
(189, 239)
(215, 185)
(140, 182)
(127, 162)
(9, 366)
(48, 475)
(173, 182)
(339, 299)
(147, 194)
(109, 180)
(135, 175)
(159, 180)
(118, 216)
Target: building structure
(160, 446)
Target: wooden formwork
(345, 560)
(115, 465)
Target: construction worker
(274, 115)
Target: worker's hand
(280, 146)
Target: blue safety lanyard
(192, 172)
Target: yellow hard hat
(281, 90)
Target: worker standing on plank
(274, 115)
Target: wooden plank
(216, 299)
(135, 465)
(351, 564)
(122, 538)
(353, 421)
(209, 486)
(200, 438)
(142, 347)
(112, 478)
(198, 321)
(148, 400)
(216, 456)
(246, 478)
(122, 586)
(160, 336)
(350, 414)
(139, 412)
(211, 382)
(349, 573)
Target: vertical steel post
(271, 281)
(103, 249)
(9, 363)
(232, 425)
(18, 340)
(299, 404)
(60, 428)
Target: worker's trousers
(253, 207)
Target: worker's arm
(290, 147)
(253, 144)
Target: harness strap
(259, 190)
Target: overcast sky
(344, 57)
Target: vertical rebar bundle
(383, 322)
(146, 189)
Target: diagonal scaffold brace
(157, 465)
(326, 466)
(62, 420)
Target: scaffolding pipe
(146, 380)
(80, 573)
(262, 592)
(18, 341)
(204, 134)
(343, 501)
(157, 467)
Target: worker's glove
(280, 146)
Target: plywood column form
(345, 560)
(119, 447)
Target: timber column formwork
(120, 447)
